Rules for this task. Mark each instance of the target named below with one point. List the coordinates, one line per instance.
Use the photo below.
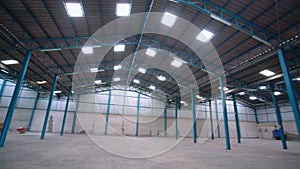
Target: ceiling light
(50, 49)
(87, 50)
(224, 88)
(204, 35)
(117, 67)
(10, 62)
(57, 91)
(277, 93)
(123, 9)
(216, 17)
(94, 70)
(267, 72)
(152, 87)
(241, 93)
(261, 40)
(168, 19)
(174, 1)
(136, 81)
(161, 78)
(116, 79)
(74, 9)
(142, 70)
(177, 62)
(183, 102)
(199, 97)
(252, 97)
(4, 71)
(151, 52)
(262, 87)
(98, 81)
(119, 48)
(41, 82)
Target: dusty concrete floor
(78, 151)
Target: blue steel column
(217, 118)
(137, 115)
(14, 99)
(65, 113)
(48, 108)
(194, 117)
(290, 88)
(255, 114)
(165, 120)
(2, 87)
(237, 120)
(279, 119)
(74, 116)
(107, 112)
(225, 114)
(32, 111)
(211, 121)
(176, 114)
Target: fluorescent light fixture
(267, 72)
(241, 93)
(252, 97)
(87, 50)
(183, 102)
(262, 87)
(151, 52)
(174, 1)
(41, 82)
(74, 9)
(9, 62)
(48, 50)
(123, 9)
(298, 78)
(216, 17)
(224, 88)
(136, 81)
(142, 70)
(98, 81)
(204, 35)
(57, 91)
(116, 79)
(161, 78)
(117, 67)
(168, 19)
(152, 87)
(199, 97)
(277, 93)
(261, 40)
(4, 71)
(94, 70)
(119, 48)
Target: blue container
(276, 134)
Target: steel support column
(165, 120)
(73, 123)
(217, 118)
(33, 110)
(279, 119)
(137, 115)
(223, 96)
(2, 87)
(256, 117)
(176, 117)
(65, 113)
(107, 112)
(194, 117)
(290, 88)
(211, 121)
(237, 121)
(48, 108)
(14, 99)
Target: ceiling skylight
(9, 62)
(152, 87)
(267, 72)
(204, 35)
(74, 9)
(150, 52)
(161, 78)
(252, 97)
(98, 81)
(117, 67)
(136, 81)
(116, 79)
(168, 19)
(119, 48)
(277, 93)
(87, 50)
(123, 9)
(142, 70)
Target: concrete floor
(24, 151)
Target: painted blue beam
(279, 119)
(107, 112)
(176, 117)
(211, 121)
(49, 107)
(290, 88)
(14, 99)
(165, 120)
(217, 118)
(33, 110)
(65, 113)
(194, 117)
(237, 121)
(137, 115)
(226, 130)
(2, 87)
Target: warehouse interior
(149, 84)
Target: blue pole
(2, 87)
(225, 114)
(32, 111)
(237, 121)
(194, 117)
(14, 99)
(256, 118)
(211, 121)
(73, 123)
(279, 119)
(217, 118)
(48, 108)
(290, 88)
(107, 112)
(165, 120)
(176, 122)
(137, 116)
(65, 113)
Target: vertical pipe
(2, 87)
(290, 88)
(225, 114)
(165, 120)
(256, 117)
(217, 118)
(237, 121)
(48, 108)
(176, 116)
(32, 111)
(107, 112)
(65, 113)
(137, 115)
(73, 123)
(279, 119)
(211, 121)
(194, 117)
(14, 99)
